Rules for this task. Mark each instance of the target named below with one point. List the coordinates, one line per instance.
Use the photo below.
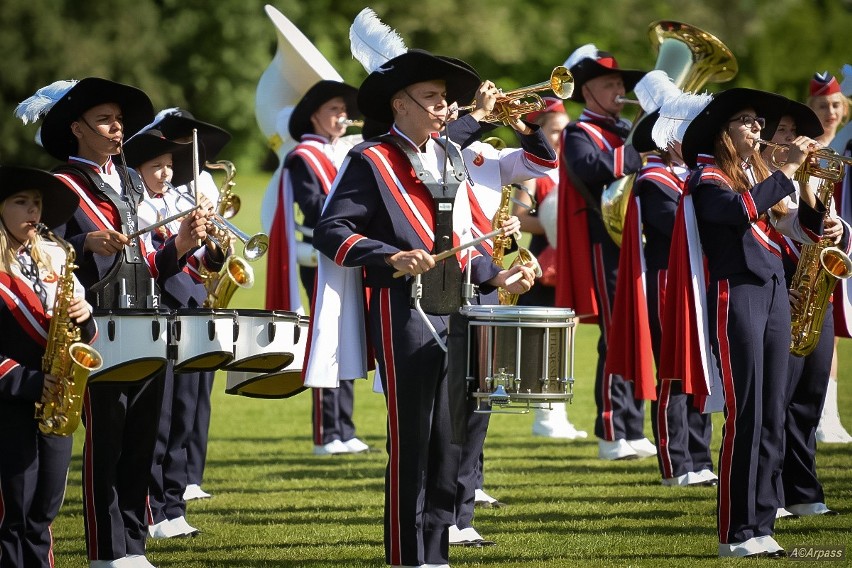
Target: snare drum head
(282, 384)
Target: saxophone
(65, 357)
(820, 266)
(503, 242)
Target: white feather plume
(160, 116)
(654, 89)
(36, 106)
(846, 84)
(675, 116)
(588, 51)
(373, 42)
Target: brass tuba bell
(690, 57)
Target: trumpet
(349, 122)
(511, 105)
(833, 169)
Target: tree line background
(207, 56)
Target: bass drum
(133, 344)
(284, 383)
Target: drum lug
(176, 329)
(211, 330)
(155, 330)
(111, 330)
(297, 332)
(270, 332)
(499, 397)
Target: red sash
(26, 308)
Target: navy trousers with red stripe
(681, 431)
(121, 429)
(33, 473)
(619, 414)
(169, 469)
(805, 399)
(751, 320)
(422, 472)
(332, 413)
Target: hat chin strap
(614, 116)
(443, 119)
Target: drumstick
(159, 224)
(448, 253)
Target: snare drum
(520, 354)
(265, 340)
(133, 344)
(284, 383)
(203, 339)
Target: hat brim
(588, 69)
(374, 128)
(700, 135)
(414, 66)
(319, 94)
(145, 147)
(212, 137)
(56, 135)
(807, 122)
(63, 202)
(641, 138)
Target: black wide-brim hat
(807, 122)
(700, 135)
(178, 124)
(59, 202)
(414, 66)
(56, 135)
(641, 139)
(149, 144)
(318, 95)
(587, 69)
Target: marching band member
(193, 396)
(162, 163)
(801, 492)
(309, 170)
(84, 124)
(380, 218)
(33, 465)
(594, 154)
(681, 431)
(832, 108)
(548, 422)
(748, 315)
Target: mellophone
(262, 351)
(519, 356)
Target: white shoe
(769, 543)
(810, 509)
(163, 529)
(643, 447)
(617, 450)
(559, 430)
(782, 513)
(183, 528)
(830, 430)
(137, 561)
(709, 477)
(194, 491)
(483, 499)
(751, 547)
(690, 478)
(117, 563)
(455, 535)
(436, 566)
(333, 447)
(356, 446)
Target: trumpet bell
(256, 246)
(232, 208)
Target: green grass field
(275, 504)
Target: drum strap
(457, 387)
(442, 285)
(129, 268)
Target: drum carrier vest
(442, 285)
(128, 282)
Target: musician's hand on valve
(518, 123)
(49, 388)
(486, 97)
(832, 229)
(795, 299)
(411, 262)
(79, 310)
(511, 226)
(192, 231)
(797, 154)
(105, 243)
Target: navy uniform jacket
(659, 191)
(734, 240)
(364, 223)
(89, 217)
